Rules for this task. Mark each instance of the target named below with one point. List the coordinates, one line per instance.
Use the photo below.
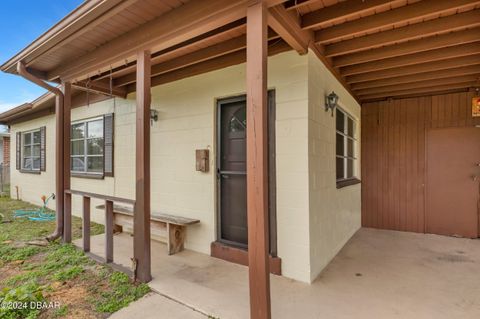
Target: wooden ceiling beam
(211, 52)
(420, 45)
(293, 27)
(389, 18)
(101, 87)
(341, 10)
(432, 75)
(415, 69)
(172, 52)
(410, 32)
(291, 5)
(418, 84)
(416, 58)
(185, 22)
(234, 58)
(419, 91)
(287, 25)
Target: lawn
(58, 276)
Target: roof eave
(76, 16)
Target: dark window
(345, 146)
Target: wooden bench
(163, 227)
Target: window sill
(26, 171)
(88, 176)
(348, 182)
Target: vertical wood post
(67, 220)
(108, 231)
(141, 218)
(257, 162)
(59, 187)
(86, 224)
(67, 104)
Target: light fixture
(331, 101)
(153, 115)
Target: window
(238, 122)
(87, 147)
(31, 142)
(346, 147)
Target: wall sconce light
(331, 102)
(153, 115)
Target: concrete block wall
(314, 219)
(335, 214)
(187, 121)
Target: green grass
(38, 273)
(120, 295)
(24, 229)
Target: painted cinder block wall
(335, 214)
(187, 121)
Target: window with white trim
(31, 146)
(346, 145)
(87, 146)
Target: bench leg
(175, 238)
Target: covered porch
(376, 50)
(378, 274)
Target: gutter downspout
(59, 172)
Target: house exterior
(5, 148)
(187, 121)
(281, 126)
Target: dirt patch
(57, 274)
(8, 271)
(75, 299)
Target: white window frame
(85, 156)
(346, 137)
(31, 145)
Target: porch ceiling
(376, 48)
(396, 48)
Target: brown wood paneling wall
(393, 155)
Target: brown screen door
(453, 157)
(231, 172)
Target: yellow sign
(476, 106)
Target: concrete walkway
(155, 306)
(378, 274)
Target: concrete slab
(154, 306)
(378, 274)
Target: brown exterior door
(231, 172)
(453, 157)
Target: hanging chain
(87, 85)
(111, 88)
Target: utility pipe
(59, 172)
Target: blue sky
(21, 22)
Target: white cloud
(7, 106)
(24, 97)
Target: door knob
(474, 177)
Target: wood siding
(393, 155)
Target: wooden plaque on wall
(476, 106)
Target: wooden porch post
(257, 162)
(67, 104)
(59, 190)
(141, 219)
